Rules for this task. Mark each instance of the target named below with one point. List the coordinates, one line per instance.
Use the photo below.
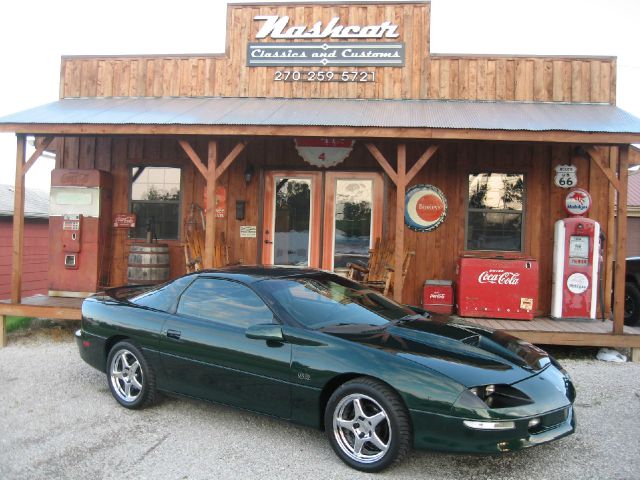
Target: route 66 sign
(566, 176)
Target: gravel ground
(60, 421)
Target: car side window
(225, 302)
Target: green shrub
(17, 323)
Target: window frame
(523, 212)
(211, 321)
(130, 167)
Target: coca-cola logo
(499, 277)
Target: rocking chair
(379, 273)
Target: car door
(206, 354)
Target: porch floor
(542, 330)
(550, 331)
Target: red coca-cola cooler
(497, 287)
(437, 296)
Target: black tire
(382, 426)
(631, 304)
(131, 378)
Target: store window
(155, 199)
(495, 211)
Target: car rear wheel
(131, 379)
(631, 304)
(368, 425)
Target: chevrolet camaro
(317, 349)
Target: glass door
(352, 218)
(292, 212)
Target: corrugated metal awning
(377, 114)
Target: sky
(34, 34)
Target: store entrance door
(321, 219)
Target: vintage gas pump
(79, 221)
(576, 255)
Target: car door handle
(174, 334)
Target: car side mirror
(269, 332)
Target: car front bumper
(448, 433)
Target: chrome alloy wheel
(126, 375)
(361, 428)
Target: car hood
(469, 354)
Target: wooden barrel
(148, 263)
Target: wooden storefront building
(367, 81)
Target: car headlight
(483, 392)
(492, 396)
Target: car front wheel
(631, 304)
(131, 379)
(368, 425)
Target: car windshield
(329, 300)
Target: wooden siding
(35, 262)
(633, 236)
(436, 252)
(528, 79)
(553, 79)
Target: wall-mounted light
(248, 173)
(240, 209)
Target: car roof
(256, 273)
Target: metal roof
(36, 202)
(435, 114)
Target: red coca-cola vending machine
(493, 287)
(79, 219)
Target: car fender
(318, 359)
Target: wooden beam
(18, 222)
(230, 158)
(3, 331)
(426, 156)
(40, 311)
(210, 214)
(191, 153)
(36, 155)
(577, 339)
(401, 187)
(621, 241)
(610, 240)
(382, 161)
(596, 156)
(337, 131)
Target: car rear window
(163, 297)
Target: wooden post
(3, 331)
(621, 241)
(401, 186)
(18, 222)
(610, 240)
(210, 217)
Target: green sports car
(317, 349)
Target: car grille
(552, 419)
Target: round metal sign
(425, 208)
(577, 283)
(577, 202)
